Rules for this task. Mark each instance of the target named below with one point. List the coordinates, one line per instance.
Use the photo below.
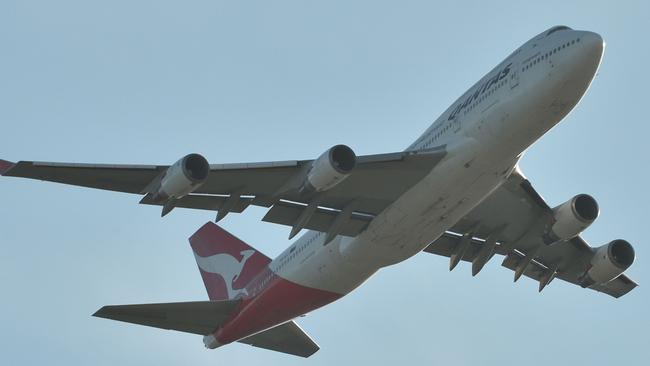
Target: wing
(346, 208)
(514, 222)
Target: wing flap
(534, 270)
(202, 202)
(539, 267)
(447, 244)
(288, 213)
(198, 317)
(286, 338)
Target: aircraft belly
(328, 270)
(470, 173)
(426, 211)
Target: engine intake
(195, 167)
(609, 261)
(185, 176)
(330, 169)
(573, 217)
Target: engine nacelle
(330, 169)
(573, 217)
(609, 262)
(185, 176)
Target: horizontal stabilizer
(285, 338)
(198, 317)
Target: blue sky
(149, 81)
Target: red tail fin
(227, 264)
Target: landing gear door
(514, 76)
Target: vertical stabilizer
(226, 263)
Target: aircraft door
(456, 123)
(514, 75)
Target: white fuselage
(485, 133)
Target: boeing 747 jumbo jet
(457, 191)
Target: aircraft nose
(587, 56)
(593, 43)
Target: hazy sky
(150, 81)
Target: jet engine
(573, 217)
(330, 169)
(609, 261)
(182, 178)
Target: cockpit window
(558, 28)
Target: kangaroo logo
(226, 266)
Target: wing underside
(514, 222)
(345, 209)
(538, 269)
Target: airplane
(457, 191)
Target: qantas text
(480, 90)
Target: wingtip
(5, 166)
(99, 312)
(104, 312)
